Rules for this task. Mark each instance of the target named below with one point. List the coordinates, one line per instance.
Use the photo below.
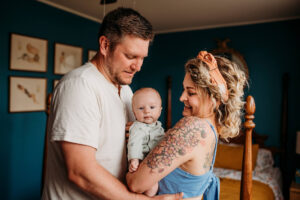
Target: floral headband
(215, 74)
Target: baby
(146, 132)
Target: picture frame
(235, 56)
(66, 58)
(27, 94)
(91, 54)
(28, 53)
(55, 82)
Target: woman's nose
(182, 97)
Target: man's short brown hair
(125, 21)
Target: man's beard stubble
(115, 78)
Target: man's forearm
(100, 183)
(84, 170)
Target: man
(89, 110)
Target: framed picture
(55, 82)
(27, 94)
(28, 53)
(66, 58)
(91, 54)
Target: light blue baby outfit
(191, 185)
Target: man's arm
(91, 177)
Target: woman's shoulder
(197, 126)
(192, 121)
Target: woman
(183, 160)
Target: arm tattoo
(178, 141)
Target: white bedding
(270, 176)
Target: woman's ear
(104, 45)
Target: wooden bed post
(246, 183)
(169, 103)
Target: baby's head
(146, 105)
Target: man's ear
(104, 45)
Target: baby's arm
(135, 146)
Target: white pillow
(264, 160)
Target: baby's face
(147, 107)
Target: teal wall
(22, 134)
(270, 50)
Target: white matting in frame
(91, 54)
(27, 94)
(67, 58)
(28, 53)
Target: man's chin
(124, 81)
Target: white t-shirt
(86, 109)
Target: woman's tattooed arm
(178, 141)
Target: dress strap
(216, 144)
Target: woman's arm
(177, 147)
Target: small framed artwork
(27, 94)
(67, 57)
(28, 53)
(55, 82)
(91, 54)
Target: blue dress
(191, 185)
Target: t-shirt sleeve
(75, 113)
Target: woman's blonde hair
(228, 113)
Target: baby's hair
(228, 113)
(146, 89)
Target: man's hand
(127, 130)
(177, 196)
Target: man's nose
(137, 65)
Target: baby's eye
(152, 107)
(141, 108)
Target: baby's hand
(133, 165)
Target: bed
(266, 179)
(250, 173)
